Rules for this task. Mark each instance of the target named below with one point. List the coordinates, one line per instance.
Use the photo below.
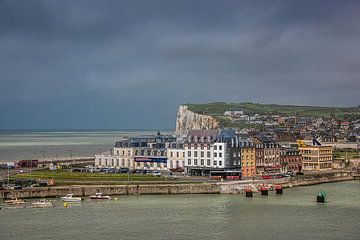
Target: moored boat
(99, 196)
(43, 203)
(15, 202)
(70, 198)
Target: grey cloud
(128, 64)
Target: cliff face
(187, 120)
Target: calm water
(59, 144)
(295, 215)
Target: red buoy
(279, 189)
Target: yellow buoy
(65, 204)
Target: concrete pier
(84, 191)
(231, 187)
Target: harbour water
(16, 145)
(294, 215)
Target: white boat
(99, 196)
(70, 198)
(43, 203)
(15, 202)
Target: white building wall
(219, 155)
(176, 158)
(194, 157)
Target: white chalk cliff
(187, 120)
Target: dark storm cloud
(128, 64)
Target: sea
(293, 215)
(61, 144)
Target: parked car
(267, 176)
(156, 173)
(124, 170)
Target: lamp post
(70, 160)
(30, 167)
(8, 179)
(43, 156)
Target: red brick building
(290, 160)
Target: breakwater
(235, 187)
(84, 191)
(298, 181)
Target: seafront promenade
(226, 187)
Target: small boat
(99, 196)
(15, 202)
(70, 198)
(43, 203)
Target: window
(215, 163)
(189, 161)
(138, 164)
(208, 154)
(220, 154)
(202, 161)
(195, 154)
(171, 154)
(220, 147)
(189, 153)
(208, 162)
(177, 154)
(220, 163)
(183, 154)
(117, 152)
(215, 154)
(215, 147)
(202, 154)
(195, 161)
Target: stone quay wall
(84, 191)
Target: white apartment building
(176, 156)
(203, 153)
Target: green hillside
(218, 108)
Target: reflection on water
(294, 215)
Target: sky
(130, 64)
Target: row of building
(201, 152)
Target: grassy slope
(218, 108)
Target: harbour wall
(298, 181)
(235, 187)
(84, 191)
